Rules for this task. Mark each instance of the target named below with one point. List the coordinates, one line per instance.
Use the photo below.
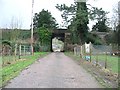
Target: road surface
(54, 71)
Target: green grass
(6, 59)
(71, 54)
(112, 62)
(12, 70)
(99, 74)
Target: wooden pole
(106, 61)
(81, 51)
(24, 49)
(90, 51)
(15, 51)
(96, 59)
(90, 54)
(19, 51)
(84, 52)
(9, 56)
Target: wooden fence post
(24, 49)
(84, 52)
(106, 61)
(74, 50)
(90, 54)
(90, 51)
(15, 51)
(81, 51)
(96, 60)
(9, 56)
(19, 51)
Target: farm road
(54, 71)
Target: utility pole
(32, 51)
(119, 12)
(118, 25)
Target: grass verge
(106, 79)
(10, 71)
(112, 62)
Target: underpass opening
(57, 42)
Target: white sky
(21, 9)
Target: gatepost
(88, 51)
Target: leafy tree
(44, 18)
(44, 36)
(67, 11)
(100, 26)
(43, 22)
(43, 39)
(82, 20)
(76, 17)
(79, 19)
(99, 15)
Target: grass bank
(12, 70)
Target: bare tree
(119, 11)
(15, 27)
(115, 17)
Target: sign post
(88, 51)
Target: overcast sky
(21, 9)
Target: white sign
(87, 47)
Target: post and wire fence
(98, 55)
(10, 54)
(14, 53)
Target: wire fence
(12, 54)
(98, 55)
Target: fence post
(90, 54)
(24, 49)
(81, 51)
(84, 52)
(9, 56)
(3, 53)
(75, 52)
(96, 59)
(15, 51)
(106, 61)
(19, 51)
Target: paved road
(54, 71)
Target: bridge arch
(60, 34)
